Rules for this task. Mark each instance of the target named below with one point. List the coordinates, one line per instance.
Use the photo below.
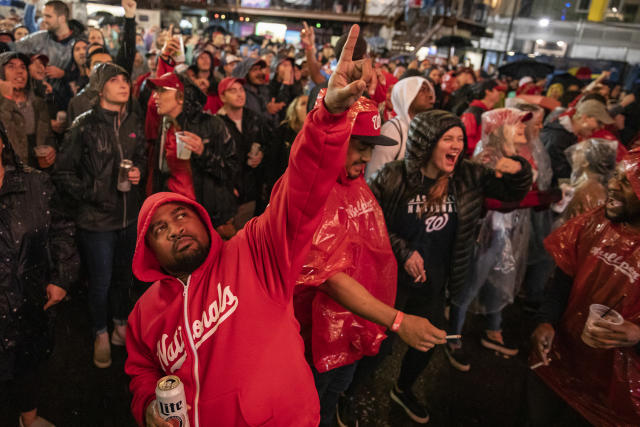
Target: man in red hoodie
(220, 314)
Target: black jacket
(556, 139)
(36, 248)
(215, 170)
(250, 182)
(394, 185)
(86, 170)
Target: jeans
(329, 386)
(108, 256)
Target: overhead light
(216, 16)
(185, 24)
(511, 53)
(204, 19)
(539, 41)
(223, 16)
(544, 22)
(248, 19)
(241, 18)
(561, 43)
(614, 9)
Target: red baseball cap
(40, 57)
(366, 127)
(167, 81)
(226, 84)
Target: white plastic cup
(124, 185)
(182, 151)
(595, 314)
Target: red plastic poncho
(351, 239)
(604, 260)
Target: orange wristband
(397, 321)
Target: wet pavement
(75, 393)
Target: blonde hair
(291, 117)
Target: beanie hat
(106, 71)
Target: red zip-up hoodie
(229, 333)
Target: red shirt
(181, 179)
(473, 129)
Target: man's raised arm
(281, 237)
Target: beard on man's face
(186, 262)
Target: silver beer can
(171, 401)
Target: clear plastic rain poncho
(592, 163)
(501, 248)
(534, 150)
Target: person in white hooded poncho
(410, 96)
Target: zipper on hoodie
(185, 294)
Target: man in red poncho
(598, 261)
(352, 263)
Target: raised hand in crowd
(54, 72)
(350, 78)
(129, 7)
(307, 37)
(274, 107)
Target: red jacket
(472, 128)
(229, 333)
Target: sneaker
(410, 404)
(457, 358)
(346, 412)
(118, 336)
(495, 341)
(102, 351)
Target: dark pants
(425, 301)
(21, 393)
(108, 256)
(545, 408)
(329, 386)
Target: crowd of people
(292, 210)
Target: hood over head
(631, 164)
(145, 264)
(403, 94)
(425, 131)
(106, 71)
(242, 69)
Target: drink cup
(595, 314)
(182, 151)
(124, 184)
(180, 55)
(42, 151)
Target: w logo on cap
(377, 121)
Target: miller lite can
(171, 401)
